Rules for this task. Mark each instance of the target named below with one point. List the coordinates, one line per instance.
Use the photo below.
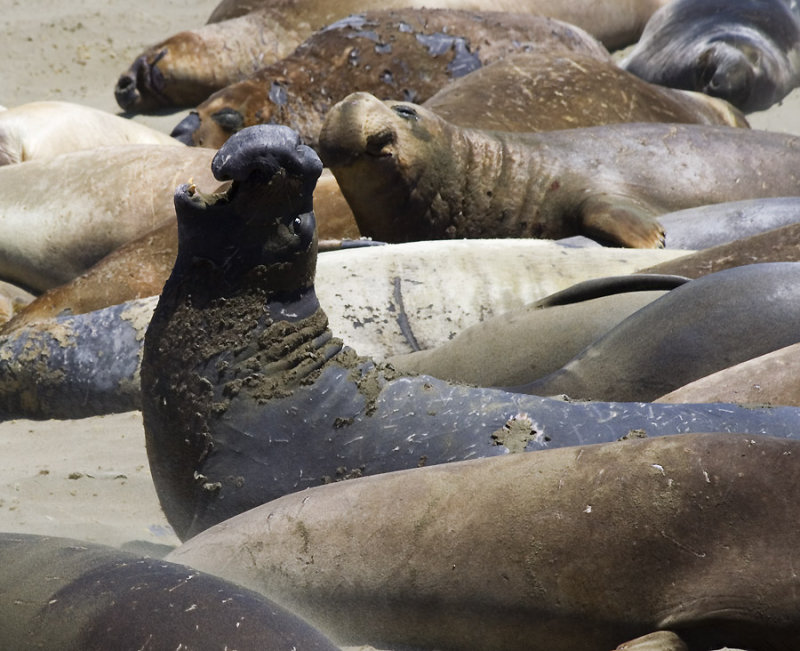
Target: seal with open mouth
(247, 396)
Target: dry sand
(89, 479)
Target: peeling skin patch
(517, 432)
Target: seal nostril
(376, 143)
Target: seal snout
(141, 86)
(727, 72)
(184, 130)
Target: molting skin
(246, 395)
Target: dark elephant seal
(701, 327)
(769, 379)
(576, 548)
(397, 54)
(185, 68)
(744, 51)
(247, 396)
(60, 593)
(408, 174)
(548, 91)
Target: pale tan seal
(408, 174)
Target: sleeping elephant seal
(701, 327)
(59, 593)
(548, 91)
(408, 174)
(246, 36)
(399, 54)
(744, 51)
(769, 379)
(45, 129)
(575, 548)
(247, 396)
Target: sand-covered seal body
(575, 548)
(699, 328)
(395, 54)
(247, 396)
(744, 51)
(60, 593)
(549, 91)
(45, 129)
(407, 174)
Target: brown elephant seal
(576, 548)
(744, 51)
(45, 129)
(61, 593)
(780, 244)
(179, 70)
(408, 174)
(548, 91)
(396, 54)
(769, 379)
(701, 327)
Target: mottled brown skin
(579, 548)
(404, 54)
(408, 174)
(545, 91)
(777, 245)
(180, 68)
(139, 268)
(616, 23)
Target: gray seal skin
(399, 54)
(408, 174)
(744, 51)
(59, 593)
(246, 395)
(699, 328)
(576, 549)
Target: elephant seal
(398, 54)
(60, 593)
(769, 379)
(709, 226)
(45, 129)
(55, 365)
(549, 91)
(247, 396)
(780, 244)
(408, 174)
(703, 326)
(187, 67)
(61, 215)
(744, 51)
(692, 534)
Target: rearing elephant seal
(408, 174)
(246, 395)
(744, 51)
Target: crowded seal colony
(375, 326)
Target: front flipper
(658, 641)
(620, 220)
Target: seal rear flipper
(621, 220)
(658, 641)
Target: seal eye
(405, 112)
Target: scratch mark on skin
(402, 316)
(682, 546)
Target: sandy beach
(89, 479)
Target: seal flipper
(621, 220)
(658, 641)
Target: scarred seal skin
(399, 54)
(693, 534)
(744, 51)
(247, 396)
(59, 593)
(698, 328)
(408, 174)
(241, 37)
